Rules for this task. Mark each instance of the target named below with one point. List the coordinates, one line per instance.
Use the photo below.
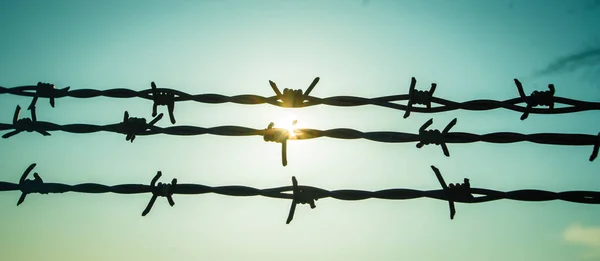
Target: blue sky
(471, 49)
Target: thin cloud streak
(586, 59)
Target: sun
(288, 122)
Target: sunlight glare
(287, 122)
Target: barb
(133, 126)
(302, 195)
(537, 98)
(47, 90)
(160, 190)
(163, 97)
(25, 124)
(418, 97)
(28, 186)
(278, 135)
(596, 148)
(294, 99)
(435, 136)
(454, 192)
(306, 194)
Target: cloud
(585, 236)
(589, 58)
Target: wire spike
(163, 98)
(436, 137)
(302, 195)
(595, 150)
(28, 186)
(160, 190)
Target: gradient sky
(473, 49)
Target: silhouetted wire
(297, 99)
(138, 126)
(452, 193)
(462, 193)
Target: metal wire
(463, 193)
(132, 127)
(452, 193)
(297, 99)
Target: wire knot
(302, 195)
(431, 137)
(293, 98)
(25, 124)
(454, 192)
(28, 186)
(133, 126)
(537, 98)
(418, 97)
(47, 90)
(34, 185)
(436, 137)
(160, 190)
(422, 97)
(460, 191)
(163, 97)
(278, 135)
(164, 189)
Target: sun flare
(288, 122)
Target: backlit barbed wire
(297, 99)
(462, 193)
(133, 127)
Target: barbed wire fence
(132, 127)
(453, 192)
(290, 98)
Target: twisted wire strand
(338, 133)
(304, 100)
(451, 193)
(532, 195)
(132, 126)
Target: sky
(471, 49)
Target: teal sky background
(471, 49)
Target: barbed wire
(133, 127)
(461, 193)
(290, 98)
